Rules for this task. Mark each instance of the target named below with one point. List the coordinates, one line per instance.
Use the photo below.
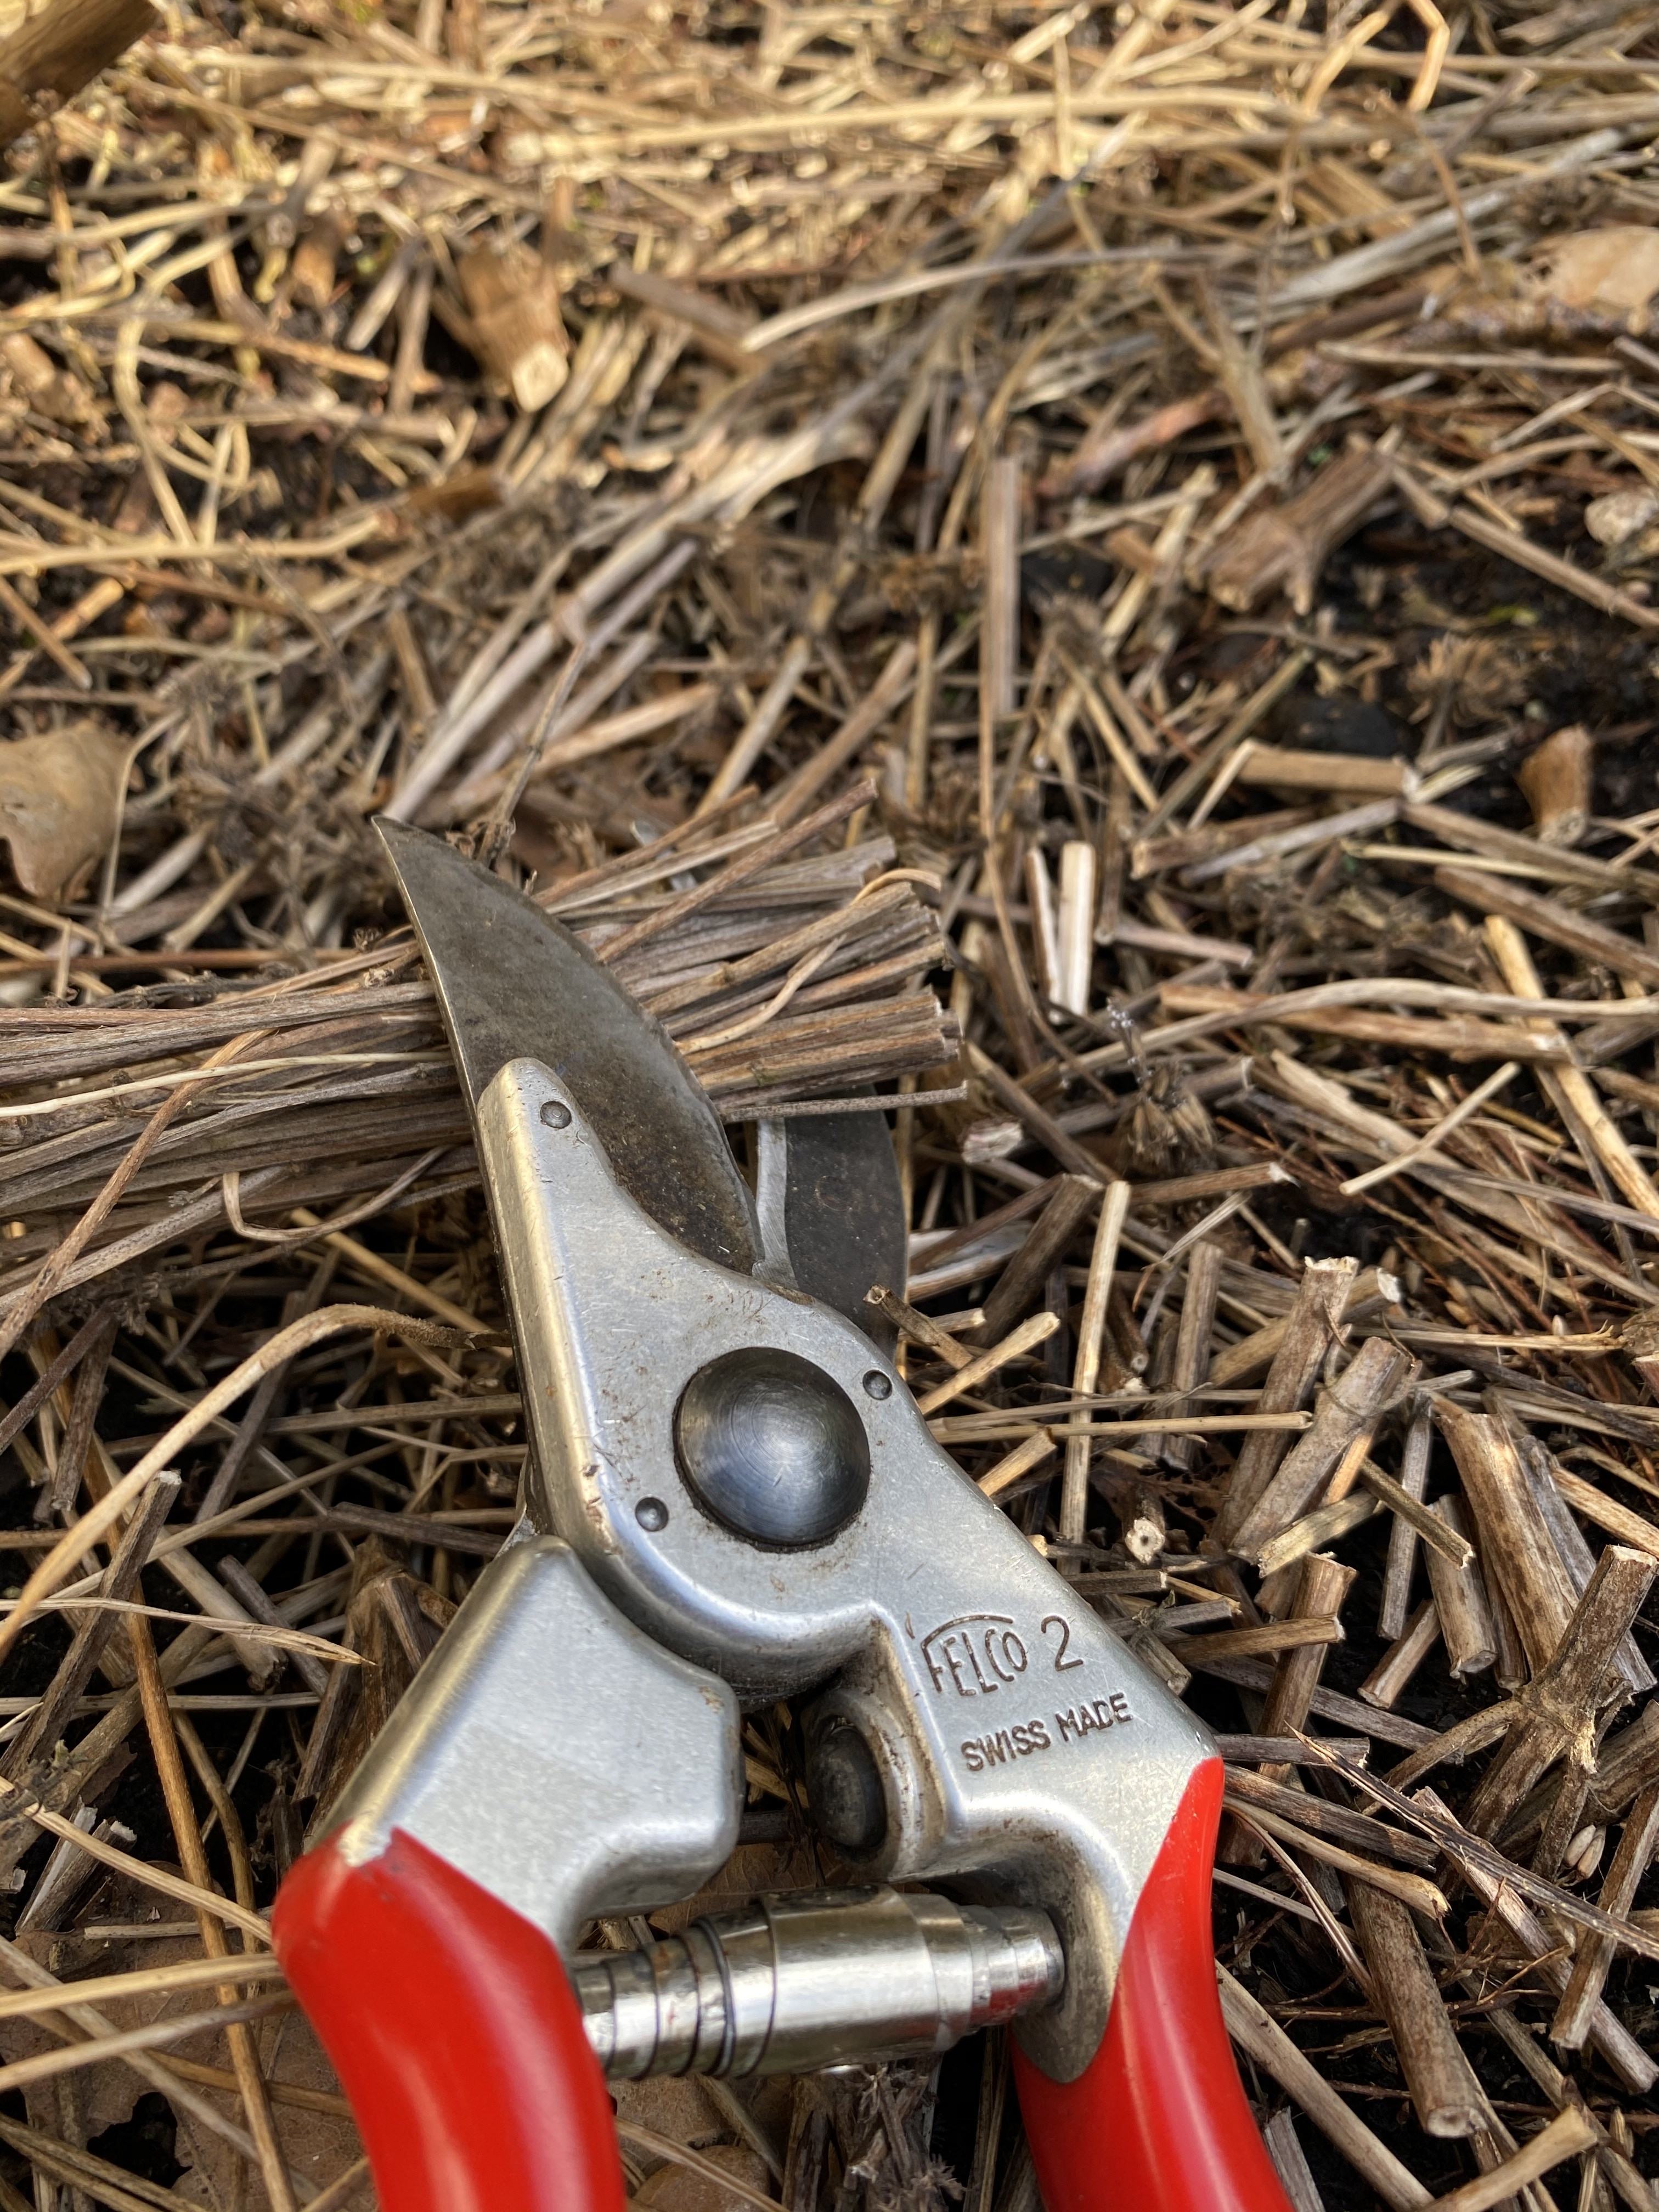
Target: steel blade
(514, 984)
(843, 1210)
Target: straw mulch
(1088, 572)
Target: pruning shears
(731, 1499)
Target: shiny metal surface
(1014, 1738)
(772, 1447)
(510, 981)
(796, 1982)
(503, 1760)
(566, 1761)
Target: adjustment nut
(843, 1788)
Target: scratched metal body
(572, 1745)
(1016, 1741)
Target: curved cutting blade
(514, 984)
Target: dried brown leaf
(59, 804)
(1616, 270)
(512, 298)
(319, 2145)
(676, 2106)
(1617, 516)
(678, 2189)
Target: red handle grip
(458, 2039)
(1158, 2122)
(456, 2034)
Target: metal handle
(813, 1979)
